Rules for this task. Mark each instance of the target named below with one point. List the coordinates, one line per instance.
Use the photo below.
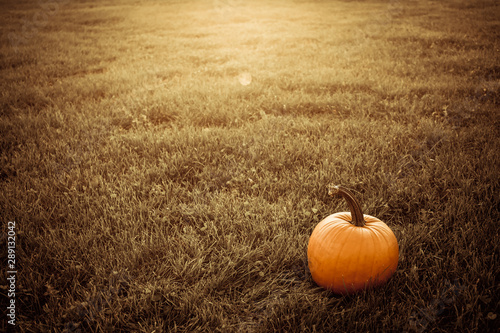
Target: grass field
(165, 162)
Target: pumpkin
(349, 252)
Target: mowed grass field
(154, 188)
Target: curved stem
(354, 206)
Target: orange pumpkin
(350, 252)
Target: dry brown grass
(153, 192)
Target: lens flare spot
(245, 78)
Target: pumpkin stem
(354, 206)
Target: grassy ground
(152, 191)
